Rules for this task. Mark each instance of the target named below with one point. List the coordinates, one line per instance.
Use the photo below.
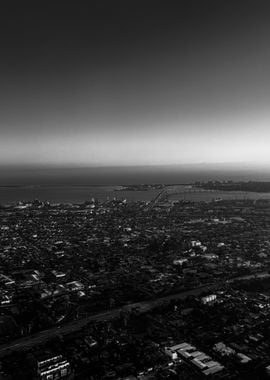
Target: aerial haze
(148, 83)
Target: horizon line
(102, 166)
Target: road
(159, 197)
(46, 335)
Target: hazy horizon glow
(176, 84)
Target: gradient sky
(151, 82)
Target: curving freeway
(140, 307)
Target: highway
(46, 335)
(159, 197)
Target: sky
(105, 83)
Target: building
(52, 368)
(199, 359)
(171, 353)
(209, 299)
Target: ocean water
(170, 174)
(206, 196)
(76, 185)
(80, 194)
(70, 194)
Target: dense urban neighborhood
(135, 290)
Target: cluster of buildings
(181, 339)
(64, 262)
(201, 360)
